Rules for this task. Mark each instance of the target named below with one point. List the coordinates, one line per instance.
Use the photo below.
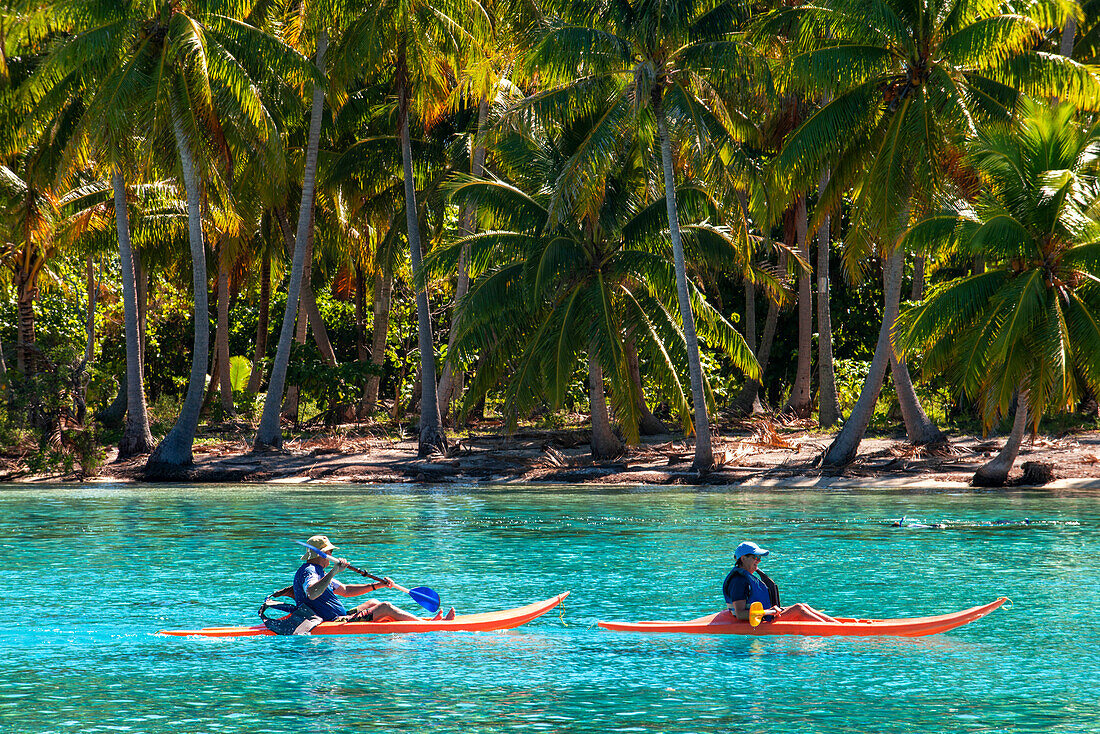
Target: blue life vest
(760, 588)
(327, 605)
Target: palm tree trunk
(112, 414)
(604, 443)
(844, 447)
(704, 454)
(800, 403)
(174, 452)
(309, 316)
(26, 292)
(80, 394)
(828, 412)
(301, 325)
(432, 438)
(361, 352)
(89, 321)
(4, 374)
(225, 383)
(268, 433)
(648, 424)
(995, 472)
(1069, 32)
(307, 304)
(450, 382)
(142, 274)
(136, 437)
(918, 426)
(747, 401)
(255, 378)
(383, 295)
(750, 315)
(917, 293)
(320, 333)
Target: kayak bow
(724, 623)
(502, 620)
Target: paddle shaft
(369, 575)
(359, 571)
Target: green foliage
(43, 410)
(571, 252)
(329, 387)
(239, 371)
(1031, 322)
(850, 374)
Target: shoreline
(764, 460)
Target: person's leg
(805, 611)
(362, 613)
(386, 612)
(373, 610)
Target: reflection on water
(93, 572)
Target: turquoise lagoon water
(91, 573)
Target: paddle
(422, 595)
(756, 614)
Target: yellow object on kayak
(756, 614)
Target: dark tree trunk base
(606, 448)
(112, 415)
(651, 425)
(159, 471)
(432, 441)
(135, 443)
(981, 479)
(748, 401)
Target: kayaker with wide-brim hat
(318, 590)
(746, 584)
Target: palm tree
(422, 41)
(828, 409)
(580, 288)
(179, 73)
(368, 176)
(136, 439)
(30, 213)
(61, 91)
(1027, 330)
(906, 79)
(663, 64)
(170, 67)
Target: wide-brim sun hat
(748, 548)
(320, 542)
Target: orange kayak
(503, 620)
(723, 623)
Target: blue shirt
(327, 605)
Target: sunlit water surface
(91, 573)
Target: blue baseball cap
(748, 548)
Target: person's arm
(360, 589)
(318, 587)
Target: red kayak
(723, 623)
(503, 620)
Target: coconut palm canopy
(512, 206)
(558, 289)
(1032, 320)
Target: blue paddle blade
(426, 598)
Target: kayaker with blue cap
(318, 590)
(747, 584)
